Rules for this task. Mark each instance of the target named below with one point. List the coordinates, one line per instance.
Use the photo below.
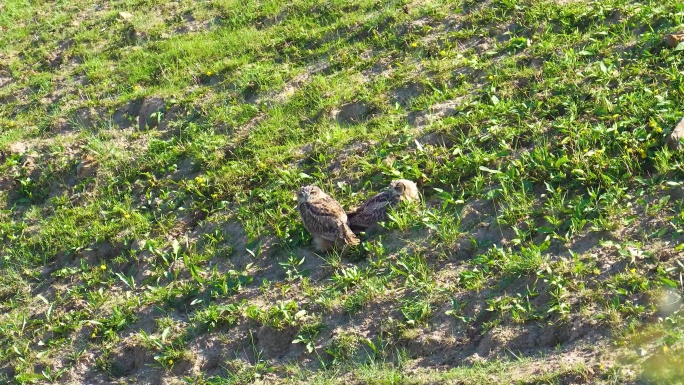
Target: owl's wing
(372, 211)
(322, 219)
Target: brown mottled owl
(375, 209)
(324, 218)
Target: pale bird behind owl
(376, 208)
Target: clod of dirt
(86, 167)
(18, 148)
(675, 137)
(674, 39)
(125, 116)
(404, 95)
(474, 359)
(353, 113)
(54, 59)
(150, 111)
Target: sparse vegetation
(151, 150)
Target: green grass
(550, 220)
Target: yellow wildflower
(103, 267)
(414, 45)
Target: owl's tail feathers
(348, 236)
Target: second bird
(375, 209)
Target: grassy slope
(545, 250)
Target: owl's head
(404, 188)
(309, 193)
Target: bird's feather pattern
(376, 208)
(324, 217)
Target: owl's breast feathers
(322, 219)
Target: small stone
(673, 140)
(641, 352)
(125, 15)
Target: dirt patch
(436, 139)
(151, 113)
(4, 81)
(126, 116)
(18, 148)
(276, 343)
(87, 117)
(170, 118)
(405, 95)
(86, 168)
(426, 343)
(130, 359)
(528, 339)
(193, 25)
(352, 113)
(210, 353)
(434, 113)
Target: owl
(375, 209)
(324, 218)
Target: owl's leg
(322, 244)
